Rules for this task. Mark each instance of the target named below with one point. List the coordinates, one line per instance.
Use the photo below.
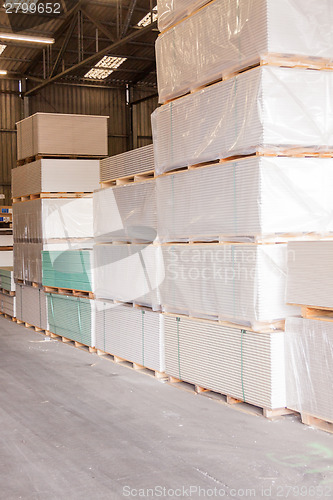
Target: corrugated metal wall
(142, 134)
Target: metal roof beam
(128, 19)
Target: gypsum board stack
(8, 304)
(133, 334)
(128, 273)
(62, 134)
(246, 199)
(309, 370)
(6, 240)
(245, 365)
(310, 273)
(31, 306)
(47, 219)
(267, 109)
(227, 36)
(72, 269)
(56, 176)
(7, 279)
(72, 318)
(126, 213)
(127, 164)
(243, 284)
(6, 258)
(172, 12)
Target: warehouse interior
(166, 313)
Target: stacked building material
(172, 11)
(134, 162)
(7, 292)
(31, 306)
(7, 279)
(69, 270)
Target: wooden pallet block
(318, 423)
(52, 195)
(130, 179)
(131, 364)
(320, 313)
(45, 156)
(69, 291)
(7, 292)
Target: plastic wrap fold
(309, 373)
(229, 35)
(248, 366)
(62, 134)
(247, 199)
(128, 273)
(31, 306)
(243, 284)
(264, 109)
(56, 175)
(8, 304)
(172, 11)
(132, 162)
(72, 269)
(126, 213)
(47, 219)
(133, 334)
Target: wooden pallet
(7, 292)
(29, 283)
(69, 291)
(38, 196)
(28, 325)
(130, 179)
(72, 342)
(320, 313)
(131, 364)
(230, 400)
(318, 423)
(45, 156)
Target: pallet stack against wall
(58, 169)
(237, 164)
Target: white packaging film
(8, 304)
(245, 199)
(126, 213)
(228, 35)
(264, 109)
(172, 11)
(55, 175)
(31, 306)
(309, 373)
(132, 162)
(133, 334)
(248, 366)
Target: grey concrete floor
(75, 426)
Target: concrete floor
(75, 426)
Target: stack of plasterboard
(55, 175)
(244, 284)
(247, 199)
(126, 213)
(8, 304)
(309, 370)
(6, 258)
(72, 318)
(172, 11)
(249, 366)
(62, 134)
(266, 108)
(71, 269)
(7, 279)
(31, 306)
(6, 240)
(127, 164)
(310, 266)
(133, 334)
(226, 36)
(128, 273)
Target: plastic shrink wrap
(132, 162)
(126, 213)
(265, 109)
(133, 334)
(72, 318)
(47, 219)
(71, 269)
(249, 366)
(229, 35)
(8, 304)
(243, 284)
(247, 199)
(309, 373)
(172, 11)
(31, 306)
(128, 273)
(310, 273)
(56, 175)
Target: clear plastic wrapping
(31, 306)
(133, 334)
(243, 284)
(309, 373)
(229, 35)
(56, 175)
(126, 213)
(126, 164)
(310, 273)
(266, 108)
(247, 199)
(128, 273)
(8, 304)
(65, 134)
(172, 11)
(249, 366)
(46, 219)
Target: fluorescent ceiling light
(146, 20)
(3, 72)
(2, 48)
(26, 38)
(105, 67)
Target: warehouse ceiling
(95, 42)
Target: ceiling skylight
(105, 67)
(146, 20)
(2, 48)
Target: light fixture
(105, 67)
(26, 38)
(147, 18)
(3, 72)
(2, 48)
